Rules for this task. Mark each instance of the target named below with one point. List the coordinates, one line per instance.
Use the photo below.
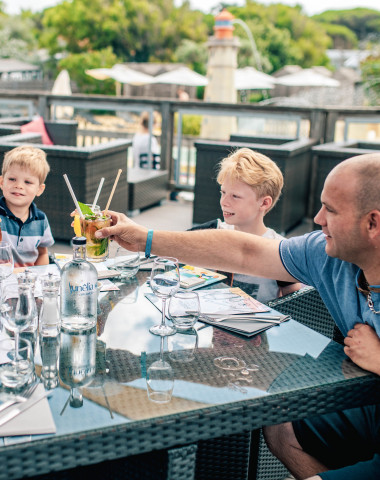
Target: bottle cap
(79, 241)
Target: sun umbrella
(62, 86)
(121, 74)
(249, 78)
(307, 78)
(182, 76)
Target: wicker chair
(307, 307)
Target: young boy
(250, 185)
(24, 226)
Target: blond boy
(23, 225)
(250, 185)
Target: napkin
(35, 420)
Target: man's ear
(373, 223)
(1, 181)
(41, 189)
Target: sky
(310, 7)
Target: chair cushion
(37, 126)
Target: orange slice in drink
(77, 226)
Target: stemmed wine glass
(18, 314)
(164, 282)
(160, 379)
(6, 264)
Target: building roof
(8, 65)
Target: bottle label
(84, 289)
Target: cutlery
(264, 318)
(12, 413)
(27, 393)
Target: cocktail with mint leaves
(96, 248)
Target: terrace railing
(323, 124)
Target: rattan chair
(307, 307)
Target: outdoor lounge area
(106, 425)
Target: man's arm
(224, 250)
(362, 346)
(43, 256)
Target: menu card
(232, 302)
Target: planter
(292, 157)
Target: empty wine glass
(18, 313)
(6, 264)
(164, 282)
(160, 379)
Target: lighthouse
(222, 62)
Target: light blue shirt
(306, 260)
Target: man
(343, 262)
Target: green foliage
(283, 35)
(364, 22)
(135, 30)
(191, 124)
(16, 38)
(192, 54)
(371, 77)
(341, 36)
(77, 63)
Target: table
(300, 373)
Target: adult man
(343, 263)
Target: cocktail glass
(97, 249)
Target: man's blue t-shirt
(306, 260)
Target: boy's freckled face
(20, 187)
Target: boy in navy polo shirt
(24, 226)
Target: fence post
(167, 128)
(42, 107)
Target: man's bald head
(366, 171)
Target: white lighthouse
(222, 63)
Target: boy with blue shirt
(343, 263)
(23, 225)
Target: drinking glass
(127, 263)
(184, 309)
(160, 379)
(164, 282)
(18, 313)
(183, 345)
(6, 264)
(16, 372)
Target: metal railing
(177, 149)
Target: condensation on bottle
(79, 293)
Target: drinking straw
(73, 195)
(113, 191)
(97, 193)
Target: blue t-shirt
(25, 237)
(306, 260)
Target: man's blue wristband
(148, 245)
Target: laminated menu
(234, 310)
(197, 277)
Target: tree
(136, 30)
(364, 22)
(284, 35)
(77, 64)
(371, 77)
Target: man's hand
(362, 346)
(125, 232)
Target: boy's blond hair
(26, 156)
(256, 170)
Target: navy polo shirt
(26, 237)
